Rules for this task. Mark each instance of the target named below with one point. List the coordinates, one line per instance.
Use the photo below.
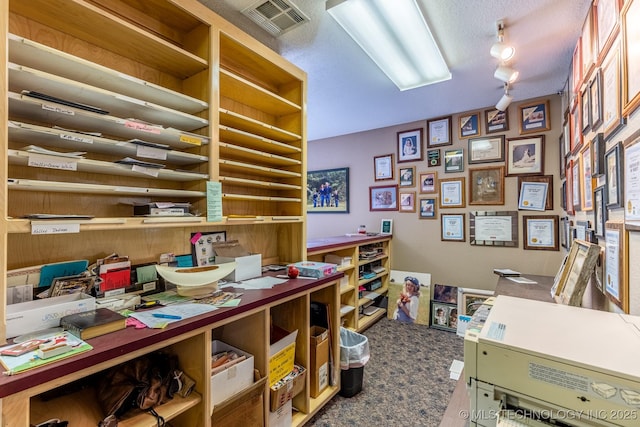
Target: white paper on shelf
(522, 280)
(40, 150)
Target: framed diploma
(607, 13)
(630, 56)
(452, 227)
(612, 119)
(533, 196)
(383, 167)
(614, 265)
(452, 193)
(631, 179)
(613, 174)
(586, 182)
(540, 232)
(493, 228)
(547, 179)
(439, 132)
(486, 150)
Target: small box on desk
(319, 362)
(315, 269)
(233, 379)
(249, 266)
(289, 386)
(31, 316)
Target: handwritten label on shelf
(56, 109)
(51, 162)
(76, 138)
(143, 127)
(189, 139)
(151, 152)
(40, 228)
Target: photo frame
(486, 186)
(410, 145)
(630, 56)
(595, 101)
(452, 192)
(407, 176)
(613, 163)
(328, 191)
(407, 201)
(612, 119)
(427, 208)
(597, 155)
(575, 185)
(576, 130)
(486, 150)
(600, 212)
(498, 228)
(540, 232)
(202, 250)
(454, 160)
(383, 198)
(444, 316)
(452, 227)
(607, 22)
(586, 181)
(525, 156)
(428, 182)
(433, 157)
(576, 66)
(562, 157)
(439, 132)
(445, 293)
(534, 117)
(545, 204)
(399, 293)
(468, 125)
(496, 120)
(585, 113)
(565, 229)
(575, 272)
(587, 38)
(631, 187)
(383, 167)
(614, 266)
(386, 227)
(470, 300)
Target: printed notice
(214, 201)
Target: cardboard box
(232, 380)
(319, 362)
(244, 409)
(315, 269)
(31, 316)
(341, 261)
(248, 267)
(284, 390)
(282, 353)
(282, 417)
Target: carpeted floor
(406, 381)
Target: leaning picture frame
(386, 227)
(410, 145)
(576, 272)
(470, 300)
(534, 117)
(383, 198)
(439, 132)
(444, 316)
(328, 191)
(525, 155)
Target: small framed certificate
(452, 227)
(533, 196)
(452, 193)
(541, 232)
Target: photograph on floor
(409, 294)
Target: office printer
(532, 363)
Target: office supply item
(146, 304)
(93, 323)
(166, 316)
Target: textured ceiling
(347, 93)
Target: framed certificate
(452, 227)
(493, 228)
(533, 196)
(439, 132)
(541, 232)
(537, 179)
(614, 284)
(383, 167)
(452, 193)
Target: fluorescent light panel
(396, 37)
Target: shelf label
(151, 152)
(52, 162)
(57, 109)
(147, 171)
(188, 139)
(143, 127)
(40, 228)
(76, 138)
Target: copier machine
(533, 363)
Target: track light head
(502, 51)
(504, 102)
(506, 74)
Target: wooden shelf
(251, 169)
(73, 187)
(256, 141)
(258, 184)
(236, 152)
(236, 120)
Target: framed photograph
(439, 132)
(607, 24)
(614, 264)
(428, 182)
(433, 157)
(588, 59)
(469, 125)
(533, 194)
(600, 213)
(630, 56)
(575, 184)
(470, 300)
(452, 193)
(613, 163)
(383, 198)
(486, 186)
(496, 121)
(407, 201)
(565, 229)
(541, 232)
(444, 316)
(386, 227)
(410, 145)
(383, 167)
(585, 112)
(595, 101)
(202, 246)
(486, 150)
(493, 228)
(612, 119)
(525, 156)
(563, 195)
(454, 161)
(576, 67)
(631, 185)
(328, 191)
(407, 176)
(445, 293)
(427, 208)
(575, 272)
(586, 183)
(597, 155)
(534, 117)
(410, 296)
(562, 155)
(576, 130)
(452, 227)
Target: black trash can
(354, 354)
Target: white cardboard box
(31, 316)
(233, 379)
(248, 267)
(281, 417)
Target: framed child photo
(534, 117)
(410, 145)
(444, 316)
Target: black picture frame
(597, 155)
(613, 162)
(600, 212)
(338, 180)
(444, 316)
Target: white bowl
(192, 281)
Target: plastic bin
(354, 355)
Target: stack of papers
(456, 369)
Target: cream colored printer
(532, 363)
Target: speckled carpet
(406, 381)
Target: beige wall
(416, 242)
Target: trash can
(354, 354)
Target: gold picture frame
(486, 185)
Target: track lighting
(505, 100)
(500, 50)
(506, 74)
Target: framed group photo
(410, 145)
(328, 191)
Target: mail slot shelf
(232, 165)
(73, 187)
(238, 121)
(257, 184)
(261, 198)
(236, 152)
(256, 141)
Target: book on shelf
(93, 323)
(506, 272)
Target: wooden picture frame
(565, 229)
(569, 188)
(498, 228)
(454, 160)
(485, 150)
(597, 155)
(469, 300)
(547, 204)
(444, 316)
(452, 227)
(586, 181)
(433, 158)
(575, 129)
(534, 117)
(575, 272)
(576, 67)
(585, 111)
(587, 39)
(427, 208)
(428, 182)
(613, 174)
(407, 201)
(630, 56)
(335, 198)
(612, 118)
(631, 185)
(486, 186)
(575, 181)
(468, 125)
(615, 283)
(600, 211)
(496, 120)
(607, 24)
(439, 132)
(407, 176)
(410, 145)
(452, 192)
(525, 155)
(540, 232)
(595, 101)
(383, 167)
(383, 198)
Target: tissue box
(31, 316)
(248, 267)
(315, 269)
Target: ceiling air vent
(275, 16)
